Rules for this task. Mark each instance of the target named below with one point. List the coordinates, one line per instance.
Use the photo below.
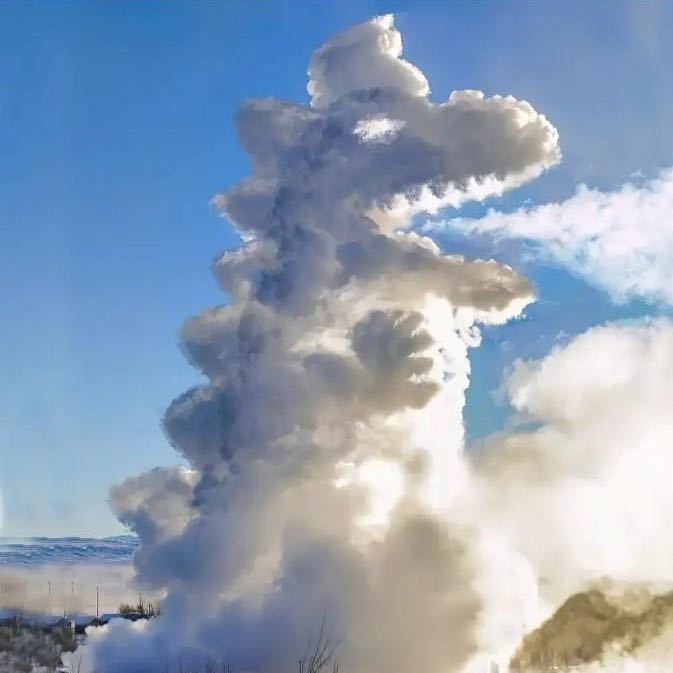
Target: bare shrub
(321, 657)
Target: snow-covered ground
(24, 552)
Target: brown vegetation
(589, 623)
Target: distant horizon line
(76, 538)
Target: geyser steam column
(326, 446)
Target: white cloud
(621, 241)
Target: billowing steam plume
(326, 449)
(328, 478)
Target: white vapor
(584, 498)
(601, 448)
(621, 241)
(326, 450)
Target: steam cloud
(328, 476)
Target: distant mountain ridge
(33, 551)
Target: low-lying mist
(71, 589)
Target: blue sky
(116, 129)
